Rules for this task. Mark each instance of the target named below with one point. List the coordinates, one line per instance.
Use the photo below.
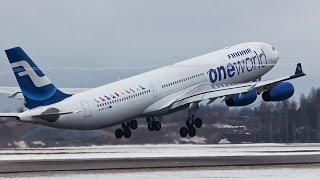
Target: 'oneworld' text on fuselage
(243, 66)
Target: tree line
(288, 121)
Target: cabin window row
(182, 80)
(123, 98)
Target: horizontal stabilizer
(15, 92)
(6, 115)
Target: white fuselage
(129, 98)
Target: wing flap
(192, 99)
(211, 94)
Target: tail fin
(37, 89)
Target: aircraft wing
(207, 91)
(210, 92)
(15, 92)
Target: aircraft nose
(275, 55)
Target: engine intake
(246, 99)
(280, 92)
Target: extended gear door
(86, 108)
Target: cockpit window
(273, 48)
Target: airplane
(232, 74)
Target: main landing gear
(154, 124)
(125, 131)
(191, 124)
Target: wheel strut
(154, 124)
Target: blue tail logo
(28, 70)
(37, 89)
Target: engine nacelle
(246, 99)
(280, 92)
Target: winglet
(299, 70)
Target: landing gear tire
(133, 124)
(150, 126)
(127, 133)
(191, 124)
(198, 123)
(153, 124)
(156, 125)
(192, 131)
(119, 133)
(126, 129)
(183, 132)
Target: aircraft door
(154, 90)
(86, 108)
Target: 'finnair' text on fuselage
(239, 67)
(239, 53)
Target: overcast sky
(81, 43)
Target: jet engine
(280, 92)
(244, 100)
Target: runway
(155, 156)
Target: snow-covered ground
(283, 172)
(296, 172)
(145, 151)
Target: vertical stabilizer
(37, 89)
